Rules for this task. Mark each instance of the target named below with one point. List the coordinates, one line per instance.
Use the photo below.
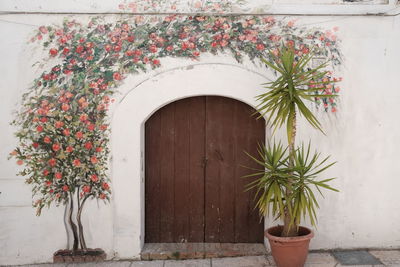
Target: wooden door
(194, 190)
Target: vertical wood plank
(242, 128)
(197, 169)
(152, 182)
(255, 137)
(219, 172)
(249, 132)
(182, 171)
(167, 173)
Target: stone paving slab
(320, 259)
(145, 264)
(388, 257)
(188, 263)
(355, 257)
(249, 261)
(103, 263)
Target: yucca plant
(288, 174)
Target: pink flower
(56, 147)
(117, 76)
(65, 107)
(79, 49)
(129, 53)
(20, 162)
(58, 175)
(43, 29)
(53, 52)
(76, 162)
(58, 124)
(66, 132)
(65, 50)
(94, 178)
(65, 188)
(79, 135)
(108, 47)
(153, 48)
(260, 47)
(52, 162)
(47, 140)
(105, 186)
(93, 160)
(156, 62)
(269, 19)
(88, 145)
(91, 127)
(290, 43)
(69, 149)
(46, 172)
(86, 189)
(39, 128)
(83, 118)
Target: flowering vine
(63, 125)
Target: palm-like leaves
(305, 169)
(287, 93)
(276, 177)
(272, 179)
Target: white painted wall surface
(363, 137)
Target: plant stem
(72, 224)
(290, 227)
(78, 219)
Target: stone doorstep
(165, 251)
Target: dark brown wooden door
(194, 190)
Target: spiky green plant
(275, 176)
(285, 97)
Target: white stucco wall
(362, 136)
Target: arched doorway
(194, 190)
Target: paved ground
(387, 257)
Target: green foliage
(272, 182)
(287, 93)
(284, 186)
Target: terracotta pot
(289, 251)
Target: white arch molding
(127, 137)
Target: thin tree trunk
(72, 224)
(78, 219)
(290, 229)
(66, 225)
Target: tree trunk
(72, 224)
(78, 219)
(290, 228)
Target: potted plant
(285, 183)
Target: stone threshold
(182, 251)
